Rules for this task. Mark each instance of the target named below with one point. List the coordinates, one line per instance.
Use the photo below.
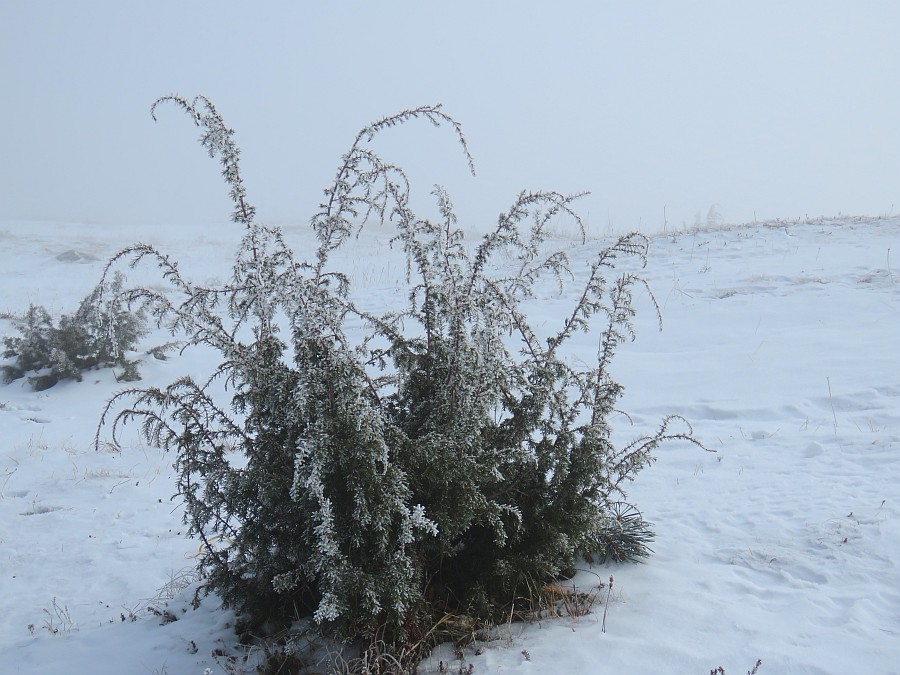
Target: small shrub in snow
(753, 671)
(57, 619)
(452, 460)
(97, 335)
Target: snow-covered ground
(780, 345)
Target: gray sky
(769, 108)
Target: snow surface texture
(780, 346)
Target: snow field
(779, 346)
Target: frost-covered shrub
(452, 460)
(97, 335)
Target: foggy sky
(782, 108)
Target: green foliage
(97, 335)
(429, 467)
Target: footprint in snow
(36, 420)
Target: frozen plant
(451, 460)
(97, 335)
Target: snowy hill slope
(780, 346)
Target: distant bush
(450, 461)
(97, 335)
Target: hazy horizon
(766, 109)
